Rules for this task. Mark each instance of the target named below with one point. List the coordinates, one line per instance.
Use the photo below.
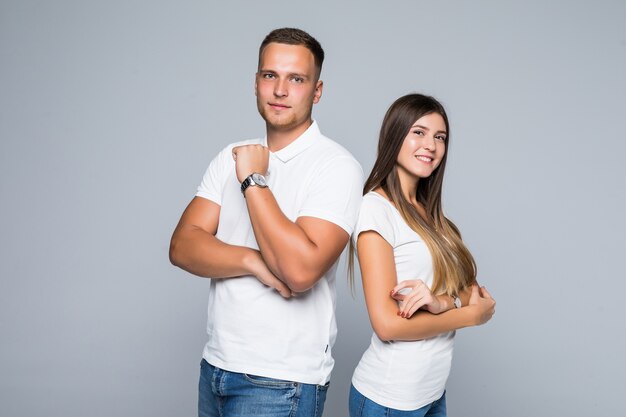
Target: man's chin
(277, 123)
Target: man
(267, 225)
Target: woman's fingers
(409, 283)
(485, 293)
(415, 300)
(398, 296)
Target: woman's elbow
(384, 330)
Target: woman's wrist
(445, 303)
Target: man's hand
(259, 269)
(249, 159)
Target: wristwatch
(457, 302)
(253, 179)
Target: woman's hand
(482, 304)
(420, 296)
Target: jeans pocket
(323, 388)
(268, 382)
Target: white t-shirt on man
(251, 328)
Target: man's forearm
(202, 254)
(284, 245)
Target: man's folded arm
(299, 253)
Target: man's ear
(319, 87)
(256, 76)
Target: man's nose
(280, 88)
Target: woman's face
(424, 146)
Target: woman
(415, 269)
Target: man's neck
(278, 139)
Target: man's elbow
(300, 283)
(175, 253)
(299, 286)
(300, 280)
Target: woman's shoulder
(375, 207)
(376, 197)
(374, 200)
(376, 215)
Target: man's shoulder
(329, 149)
(330, 159)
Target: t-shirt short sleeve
(213, 180)
(334, 193)
(376, 215)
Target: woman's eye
(419, 132)
(440, 137)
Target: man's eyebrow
(291, 74)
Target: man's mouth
(278, 106)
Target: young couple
(268, 224)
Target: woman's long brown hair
(453, 265)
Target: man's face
(287, 87)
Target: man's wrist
(250, 261)
(254, 179)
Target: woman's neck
(408, 185)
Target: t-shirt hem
(209, 196)
(328, 217)
(283, 374)
(385, 401)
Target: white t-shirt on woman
(398, 374)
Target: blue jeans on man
(232, 394)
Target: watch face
(259, 180)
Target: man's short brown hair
(293, 36)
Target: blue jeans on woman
(361, 406)
(231, 394)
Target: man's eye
(268, 76)
(298, 79)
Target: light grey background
(111, 111)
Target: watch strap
(250, 180)
(246, 183)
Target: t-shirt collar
(299, 145)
